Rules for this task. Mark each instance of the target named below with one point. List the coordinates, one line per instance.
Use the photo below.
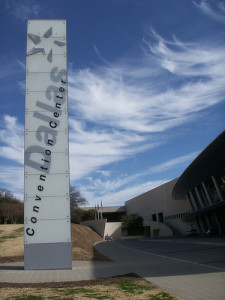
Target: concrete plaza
(192, 269)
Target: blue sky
(146, 90)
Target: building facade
(203, 185)
(157, 207)
(110, 213)
(195, 200)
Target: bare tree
(75, 198)
(11, 209)
(5, 211)
(75, 202)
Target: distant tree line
(12, 209)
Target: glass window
(154, 217)
(160, 217)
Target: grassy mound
(83, 239)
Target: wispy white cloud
(222, 6)
(91, 149)
(120, 109)
(21, 85)
(12, 149)
(118, 106)
(21, 64)
(105, 189)
(173, 81)
(23, 9)
(120, 196)
(173, 163)
(125, 187)
(205, 8)
(13, 179)
(105, 173)
(12, 139)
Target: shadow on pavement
(156, 263)
(12, 268)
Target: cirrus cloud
(205, 8)
(123, 108)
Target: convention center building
(195, 200)
(192, 204)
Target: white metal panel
(39, 82)
(38, 63)
(48, 45)
(55, 185)
(33, 97)
(47, 231)
(48, 208)
(60, 144)
(34, 120)
(40, 27)
(59, 163)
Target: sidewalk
(187, 280)
(81, 270)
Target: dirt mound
(11, 243)
(83, 239)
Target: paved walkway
(81, 270)
(190, 281)
(187, 280)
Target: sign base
(52, 256)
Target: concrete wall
(97, 225)
(102, 228)
(159, 200)
(113, 229)
(158, 229)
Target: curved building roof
(211, 161)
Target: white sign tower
(47, 230)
